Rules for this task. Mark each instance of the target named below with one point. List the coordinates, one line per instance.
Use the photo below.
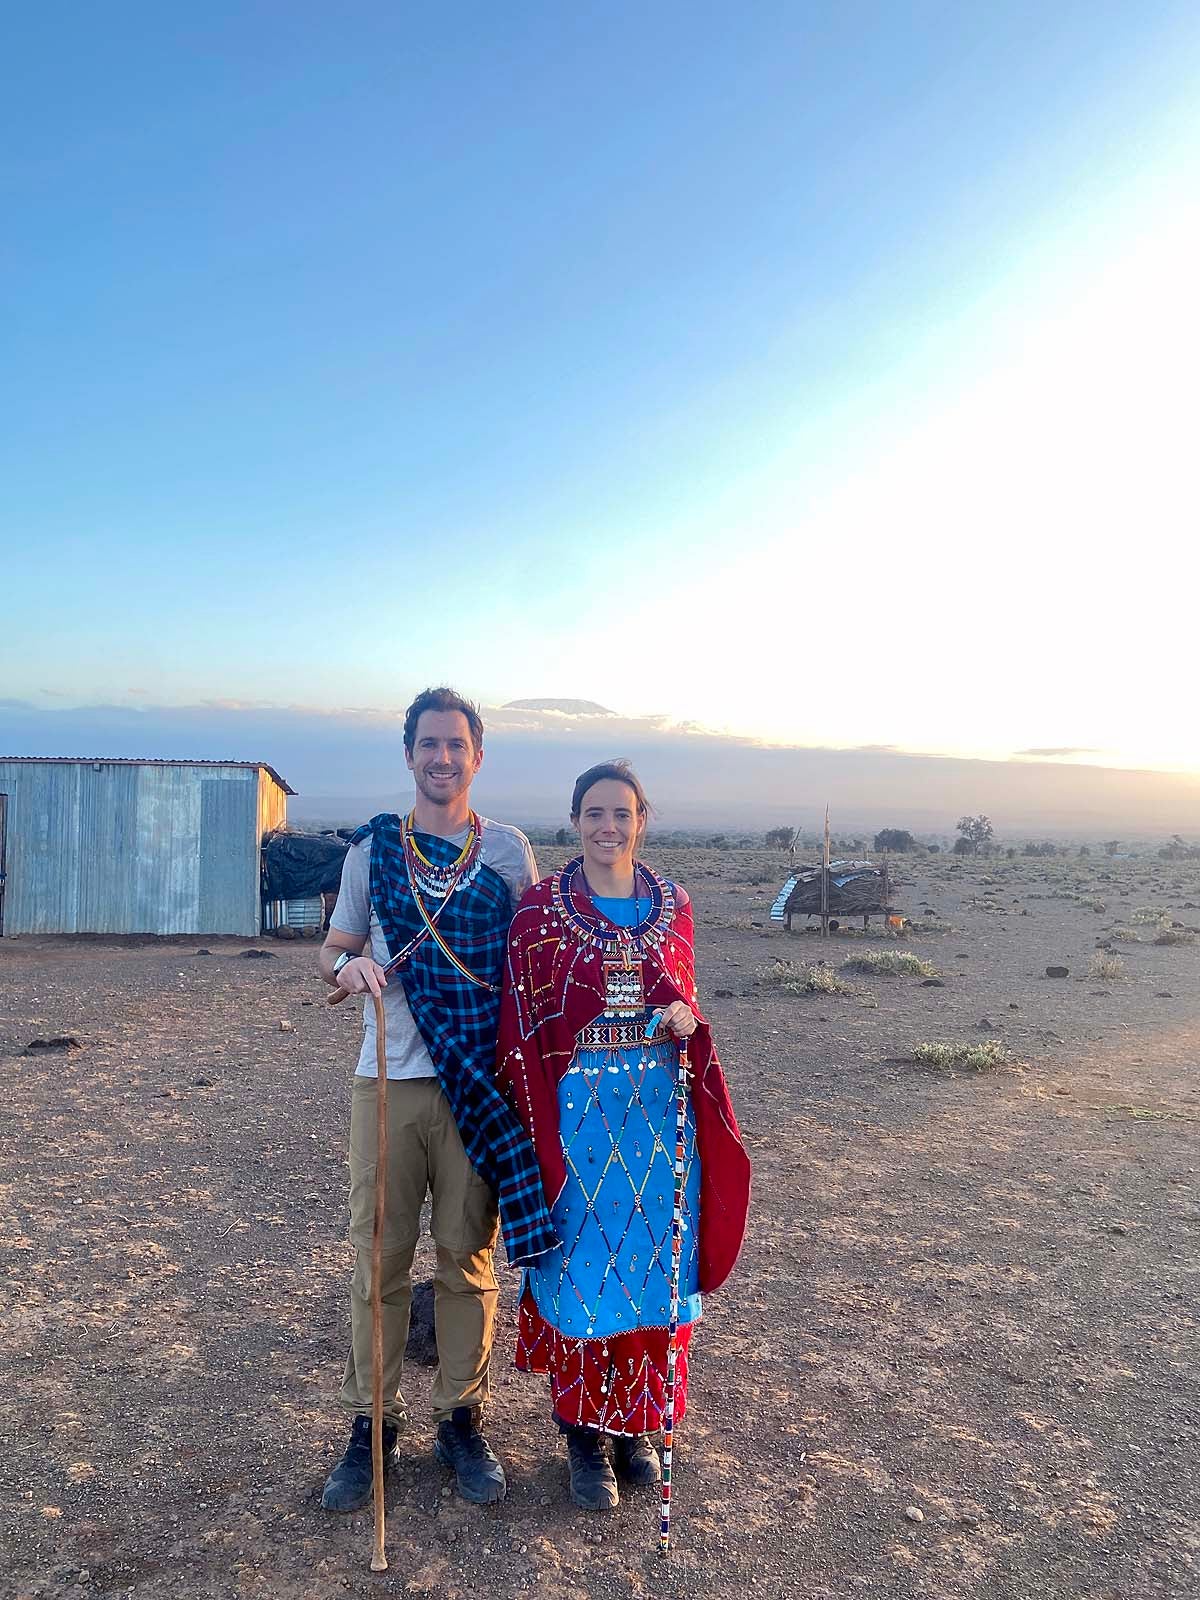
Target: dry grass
(816, 979)
(885, 963)
(978, 1057)
(1104, 964)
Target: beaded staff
(668, 1425)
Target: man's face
(443, 761)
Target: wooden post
(825, 881)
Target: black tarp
(297, 866)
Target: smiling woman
(599, 999)
(609, 812)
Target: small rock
(969, 1522)
(62, 1041)
(286, 1027)
(202, 1083)
(718, 994)
(1013, 1006)
(1163, 994)
(933, 983)
(986, 1023)
(203, 952)
(259, 955)
(1058, 972)
(914, 1513)
(1118, 1228)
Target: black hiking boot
(636, 1459)
(593, 1482)
(348, 1486)
(460, 1445)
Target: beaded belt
(604, 1035)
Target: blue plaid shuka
(458, 1020)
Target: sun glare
(1011, 568)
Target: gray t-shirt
(506, 850)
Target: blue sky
(564, 350)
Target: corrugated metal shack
(118, 846)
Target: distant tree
(718, 841)
(978, 832)
(1111, 846)
(1084, 851)
(779, 839)
(1011, 851)
(562, 837)
(1179, 850)
(935, 849)
(894, 839)
(963, 847)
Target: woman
(599, 997)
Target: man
(438, 888)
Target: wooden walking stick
(668, 1429)
(378, 1559)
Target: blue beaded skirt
(611, 1272)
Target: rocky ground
(959, 1356)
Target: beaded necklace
(592, 929)
(439, 882)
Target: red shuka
(550, 993)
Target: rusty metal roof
(153, 761)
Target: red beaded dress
(595, 1096)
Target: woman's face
(608, 824)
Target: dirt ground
(959, 1356)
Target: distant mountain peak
(572, 708)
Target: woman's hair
(618, 771)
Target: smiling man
(437, 889)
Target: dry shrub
(817, 979)
(1104, 964)
(978, 1057)
(884, 963)
(1174, 936)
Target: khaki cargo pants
(425, 1154)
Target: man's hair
(442, 699)
(620, 772)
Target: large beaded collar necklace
(568, 892)
(438, 882)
